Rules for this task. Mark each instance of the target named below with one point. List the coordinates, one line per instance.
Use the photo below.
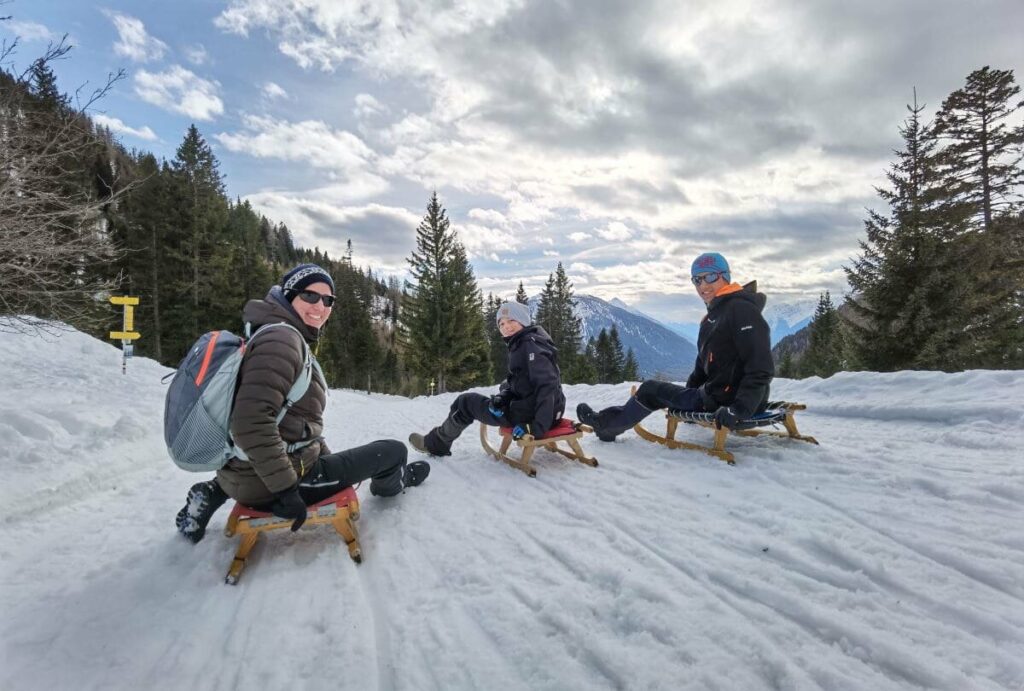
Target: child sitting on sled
(530, 400)
(734, 365)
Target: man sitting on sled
(734, 360)
(530, 400)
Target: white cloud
(615, 231)
(274, 91)
(368, 106)
(711, 121)
(133, 41)
(116, 125)
(382, 236)
(349, 162)
(483, 241)
(196, 54)
(491, 216)
(181, 91)
(30, 31)
(312, 141)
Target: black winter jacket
(534, 384)
(734, 353)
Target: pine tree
(499, 351)
(556, 313)
(204, 212)
(586, 364)
(983, 175)
(521, 296)
(630, 370)
(902, 283)
(824, 356)
(617, 362)
(604, 359)
(982, 159)
(443, 330)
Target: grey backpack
(197, 409)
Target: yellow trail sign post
(126, 334)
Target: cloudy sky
(619, 137)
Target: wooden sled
(566, 431)
(340, 510)
(777, 412)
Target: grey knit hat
(516, 311)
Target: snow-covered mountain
(658, 349)
(788, 318)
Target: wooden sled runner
(340, 510)
(566, 431)
(777, 412)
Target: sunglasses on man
(706, 278)
(313, 297)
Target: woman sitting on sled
(272, 479)
(734, 365)
(530, 400)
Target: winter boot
(202, 502)
(613, 421)
(428, 444)
(415, 473)
(438, 441)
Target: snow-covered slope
(889, 557)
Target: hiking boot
(589, 416)
(429, 444)
(415, 473)
(611, 422)
(586, 414)
(202, 502)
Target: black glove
(288, 504)
(726, 417)
(496, 405)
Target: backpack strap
(298, 389)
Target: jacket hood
(275, 309)
(746, 292)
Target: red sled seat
(341, 510)
(563, 427)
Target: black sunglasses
(313, 297)
(707, 278)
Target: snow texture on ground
(889, 557)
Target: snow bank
(889, 557)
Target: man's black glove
(726, 417)
(288, 504)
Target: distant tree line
(82, 218)
(939, 281)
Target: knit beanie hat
(303, 276)
(516, 311)
(710, 262)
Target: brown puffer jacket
(269, 369)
